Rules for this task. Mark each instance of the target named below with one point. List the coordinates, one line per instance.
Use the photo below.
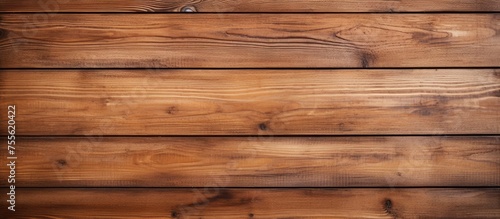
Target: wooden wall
(252, 108)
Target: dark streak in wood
(366, 59)
(61, 163)
(496, 93)
(496, 72)
(174, 214)
(172, 110)
(423, 111)
(3, 34)
(388, 208)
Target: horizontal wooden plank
(51, 6)
(255, 203)
(251, 102)
(249, 40)
(257, 162)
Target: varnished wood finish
(219, 203)
(252, 102)
(334, 109)
(258, 162)
(249, 40)
(248, 5)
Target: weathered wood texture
(248, 5)
(249, 40)
(252, 102)
(258, 162)
(256, 203)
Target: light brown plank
(249, 40)
(49, 6)
(251, 102)
(256, 203)
(257, 162)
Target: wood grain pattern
(256, 203)
(198, 115)
(249, 40)
(252, 102)
(248, 5)
(257, 162)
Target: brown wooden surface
(252, 102)
(248, 40)
(252, 115)
(257, 203)
(248, 5)
(257, 162)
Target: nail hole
(263, 126)
(388, 204)
(188, 9)
(61, 162)
(389, 208)
(172, 110)
(174, 214)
